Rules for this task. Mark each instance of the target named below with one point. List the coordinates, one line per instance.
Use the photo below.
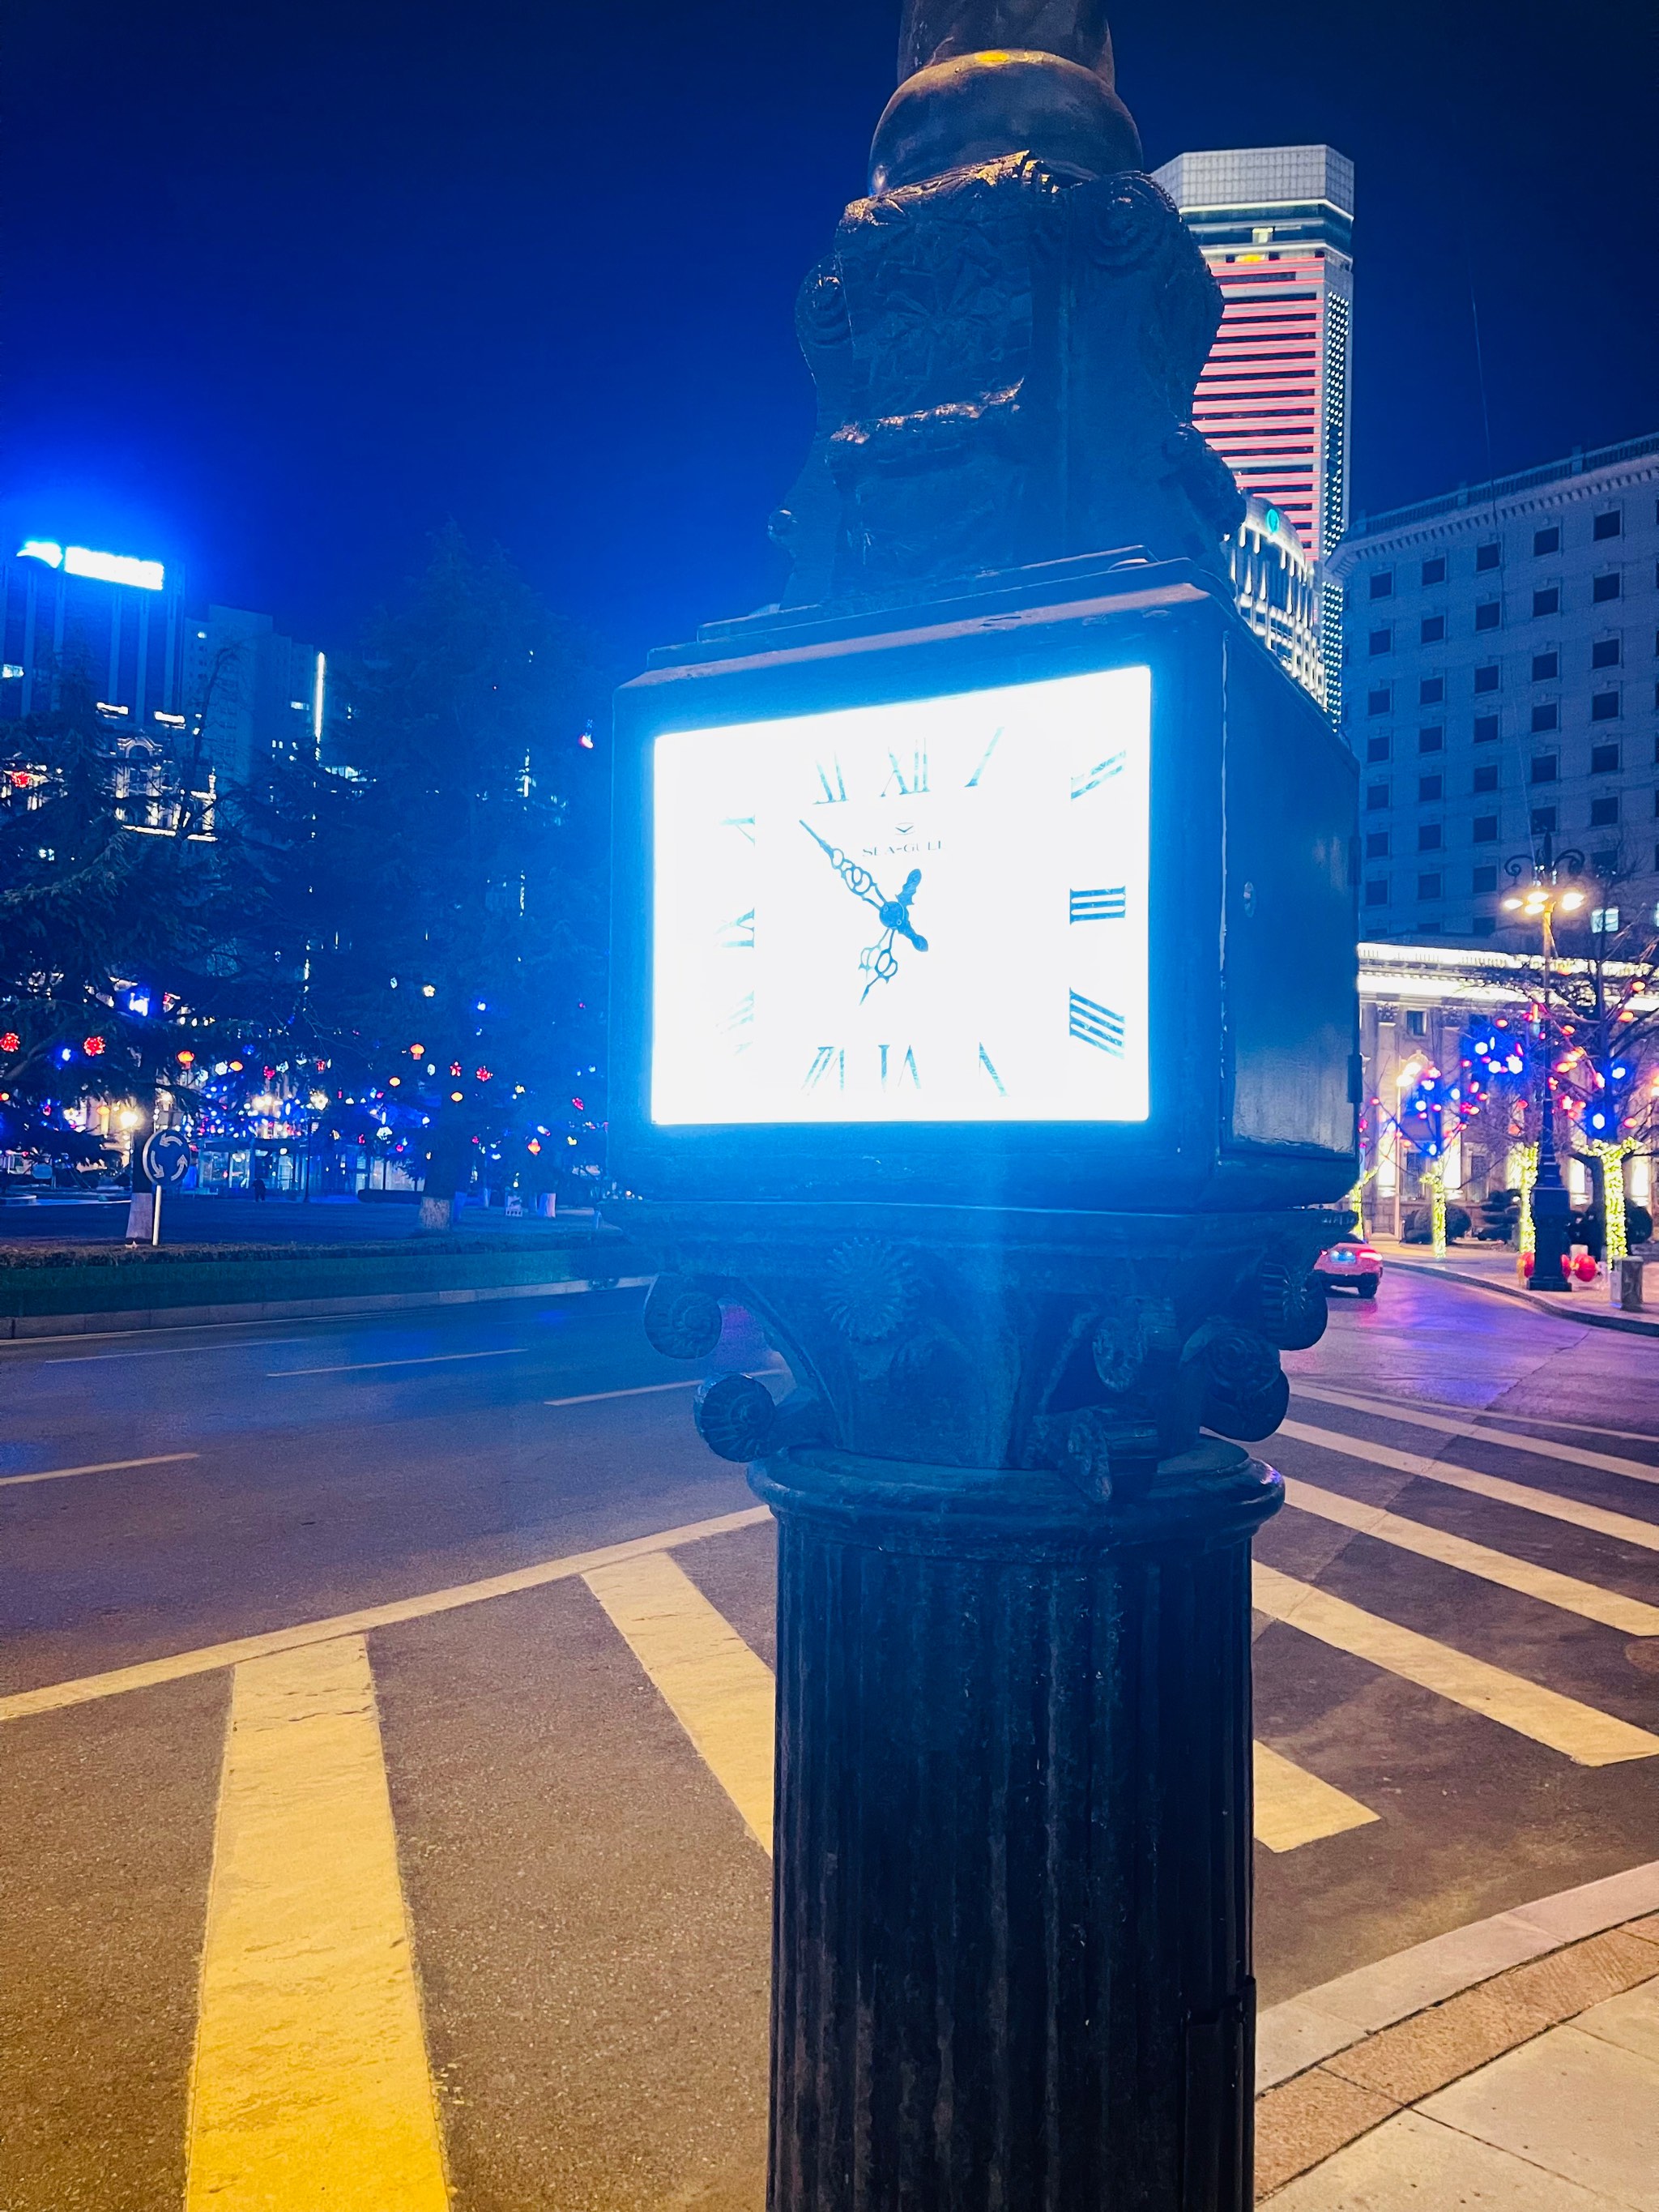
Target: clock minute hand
(858, 880)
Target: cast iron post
(1011, 1927)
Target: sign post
(165, 1160)
(984, 1020)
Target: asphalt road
(1457, 1684)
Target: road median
(74, 1290)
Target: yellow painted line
(1586, 1736)
(1366, 1402)
(720, 1691)
(98, 1467)
(1612, 1610)
(1540, 1447)
(1293, 1807)
(723, 1695)
(310, 2086)
(363, 1367)
(1621, 1526)
(53, 1697)
(641, 1390)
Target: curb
(1563, 1309)
(1363, 2051)
(55, 1328)
(1297, 2034)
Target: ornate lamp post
(1552, 1208)
(984, 1020)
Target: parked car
(1351, 1262)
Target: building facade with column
(1501, 687)
(1276, 226)
(1418, 1004)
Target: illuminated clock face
(933, 910)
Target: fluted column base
(1011, 1926)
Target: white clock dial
(933, 910)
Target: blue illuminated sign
(101, 567)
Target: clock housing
(1036, 896)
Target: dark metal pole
(1552, 1208)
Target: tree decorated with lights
(442, 890)
(1434, 1109)
(1596, 1019)
(128, 916)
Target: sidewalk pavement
(1512, 2066)
(1493, 1267)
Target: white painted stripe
(361, 1366)
(53, 1697)
(1366, 1402)
(1587, 1737)
(642, 1390)
(1293, 1807)
(97, 1466)
(1622, 1527)
(1627, 1614)
(156, 1351)
(310, 2086)
(720, 1691)
(1540, 1447)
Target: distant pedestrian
(259, 1190)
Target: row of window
(1431, 789)
(1432, 884)
(1431, 836)
(1604, 756)
(1604, 652)
(1609, 522)
(1489, 613)
(1544, 768)
(1432, 692)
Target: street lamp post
(984, 1025)
(1552, 1208)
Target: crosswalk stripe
(1368, 1401)
(309, 2085)
(1612, 1609)
(1540, 1447)
(720, 1691)
(178, 1666)
(1588, 1738)
(723, 1694)
(1293, 1807)
(1623, 1527)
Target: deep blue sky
(282, 287)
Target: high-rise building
(1501, 691)
(1276, 226)
(116, 621)
(156, 672)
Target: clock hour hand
(896, 912)
(858, 880)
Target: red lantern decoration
(92, 1047)
(11, 1041)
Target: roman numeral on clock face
(905, 779)
(1097, 1025)
(829, 1065)
(743, 824)
(1107, 904)
(1101, 771)
(738, 935)
(832, 789)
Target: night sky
(286, 287)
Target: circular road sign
(166, 1158)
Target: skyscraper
(1276, 225)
